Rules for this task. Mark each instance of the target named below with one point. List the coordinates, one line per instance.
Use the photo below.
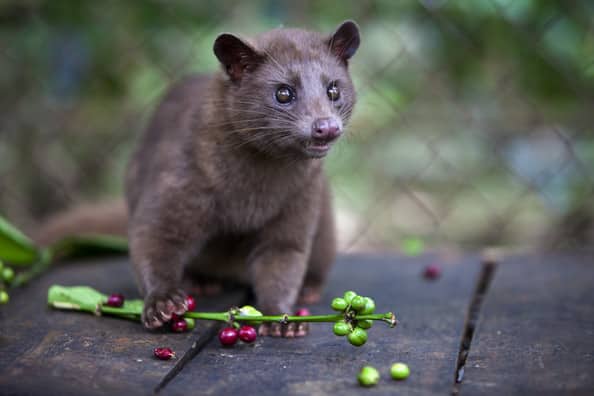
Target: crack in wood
(474, 309)
(211, 330)
(199, 344)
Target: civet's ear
(345, 41)
(236, 56)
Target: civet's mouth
(317, 148)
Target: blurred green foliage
(458, 136)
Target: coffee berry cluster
(354, 328)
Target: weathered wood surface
(44, 351)
(431, 316)
(49, 352)
(535, 335)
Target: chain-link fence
(474, 124)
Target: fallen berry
(3, 297)
(247, 334)
(339, 304)
(7, 274)
(191, 303)
(341, 328)
(116, 300)
(179, 325)
(163, 353)
(358, 303)
(228, 336)
(357, 337)
(349, 295)
(399, 371)
(368, 376)
(432, 272)
(302, 312)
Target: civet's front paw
(159, 306)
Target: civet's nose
(325, 129)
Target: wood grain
(535, 335)
(431, 316)
(52, 352)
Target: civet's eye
(284, 94)
(333, 92)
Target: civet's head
(289, 91)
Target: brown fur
(109, 218)
(224, 183)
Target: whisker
(244, 125)
(269, 110)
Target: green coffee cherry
(248, 310)
(368, 376)
(7, 274)
(191, 323)
(3, 297)
(365, 324)
(357, 337)
(341, 328)
(358, 303)
(399, 371)
(369, 306)
(348, 296)
(339, 304)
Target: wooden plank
(535, 334)
(431, 316)
(46, 351)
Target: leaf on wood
(81, 298)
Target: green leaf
(84, 298)
(15, 247)
(80, 298)
(91, 245)
(134, 305)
